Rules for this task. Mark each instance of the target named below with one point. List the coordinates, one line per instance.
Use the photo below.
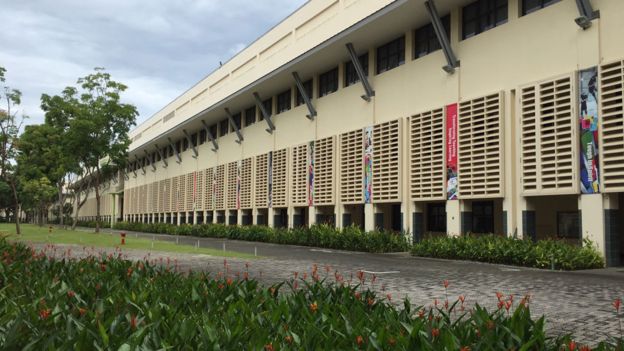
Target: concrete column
(599, 224)
(271, 217)
(311, 216)
(405, 217)
(369, 217)
(179, 216)
(239, 217)
(254, 216)
(338, 212)
(418, 221)
(453, 217)
(291, 217)
(214, 217)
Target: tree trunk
(18, 208)
(97, 201)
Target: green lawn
(33, 233)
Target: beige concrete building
(461, 116)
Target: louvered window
(280, 167)
(324, 175)
(387, 162)
(153, 199)
(209, 189)
(612, 126)
(245, 196)
(190, 191)
(200, 192)
(261, 181)
(426, 156)
(480, 147)
(299, 178)
(144, 198)
(232, 185)
(220, 188)
(167, 195)
(548, 124)
(351, 167)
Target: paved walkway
(578, 302)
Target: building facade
(501, 116)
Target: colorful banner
(311, 173)
(214, 188)
(270, 179)
(451, 152)
(589, 119)
(368, 165)
(238, 184)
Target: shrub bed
(109, 303)
(350, 238)
(503, 250)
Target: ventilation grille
(324, 171)
(261, 179)
(209, 186)
(200, 191)
(612, 126)
(153, 198)
(135, 200)
(480, 148)
(300, 175)
(161, 197)
(143, 198)
(167, 194)
(188, 194)
(220, 188)
(351, 167)
(387, 162)
(427, 179)
(548, 137)
(245, 196)
(175, 195)
(280, 172)
(231, 189)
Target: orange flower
(129, 273)
(499, 295)
(45, 313)
(462, 298)
(445, 283)
(71, 294)
(82, 311)
(617, 304)
(357, 295)
(288, 339)
(359, 340)
(435, 332)
(572, 345)
(268, 347)
(229, 281)
(313, 307)
(370, 301)
(585, 348)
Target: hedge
(504, 250)
(351, 238)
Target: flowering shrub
(350, 238)
(110, 303)
(504, 250)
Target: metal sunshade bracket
(140, 163)
(305, 96)
(147, 154)
(234, 126)
(587, 14)
(162, 156)
(368, 89)
(190, 142)
(175, 150)
(265, 113)
(441, 34)
(211, 137)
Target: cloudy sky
(158, 48)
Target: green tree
(10, 125)
(97, 132)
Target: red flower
(617, 304)
(357, 295)
(268, 347)
(359, 340)
(435, 332)
(229, 281)
(389, 297)
(133, 322)
(499, 295)
(421, 314)
(313, 307)
(71, 294)
(507, 305)
(45, 313)
(82, 311)
(370, 301)
(103, 267)
(465, 348)
(129, 273)
(445, 283)
(462, 298)
(585, 348)
(572, 345)
(360, 276)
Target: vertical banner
(238, 184)
(270, 179)
(368, 165)
(589, 119)
(214, 188)
(451, 152)
(311, 173)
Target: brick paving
(577, 302)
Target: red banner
(451, 152)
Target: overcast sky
(158, 48)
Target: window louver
(427, 179)
(246, 168)
(232, 169)
(220, 188)
(324, 175)
(300, 175)
(261, 179)
(209, 189)
(280, 167)
(387, 162)
(351, 167)
(612, 126)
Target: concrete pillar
(214, 217)
(338, 212)
(311, 216)
(291, 217)
(271, 217)
(179, 217)
(405, 217)
(599, 224)
(369, 217)
(254, 216)
(239, 217)
(453, 217)
(418, 221)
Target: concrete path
(578, 302)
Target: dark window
(194, 139)
(328, 82)
(351, 76)
(425, 39)
(224, 127)
(568, 225)
(283, 101)
(483, 217)
(307, 86)
(202, 136)
(237, 120)
(185, 144)
(482, 15)
(268, 105)
(436, 217)
(250, 116)
(391, 55)
(529, 6)
(214, 130)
